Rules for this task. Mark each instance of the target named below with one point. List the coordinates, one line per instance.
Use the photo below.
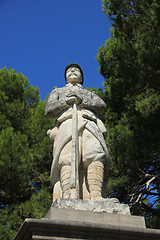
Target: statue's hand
(73, 97)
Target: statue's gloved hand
(73, 97)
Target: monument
(81, 208)
(80, 155)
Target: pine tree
(129, 62)
(25, 153)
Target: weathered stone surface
(81, 158)
(108, 205)
(95, 217)
(64, 229)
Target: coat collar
(72, 85)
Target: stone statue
(80, 155)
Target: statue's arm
(54, 106)
(93, 102)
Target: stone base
(107, 205)
(97, 220)
(89, 217)
(67, 224)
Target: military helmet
(73, 65)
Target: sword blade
(74, 179)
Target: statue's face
(73, 75)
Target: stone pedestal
(107, 205)
(97, 218)
(70, 223)
(49, 229)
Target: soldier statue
(80, 156)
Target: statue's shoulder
(88, 92)
(57, 90)
(82, 89)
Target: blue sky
(40, 37)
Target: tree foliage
(129, 62)
(25, 153)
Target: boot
(95, 175)
(65, 180)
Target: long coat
(56, 106)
